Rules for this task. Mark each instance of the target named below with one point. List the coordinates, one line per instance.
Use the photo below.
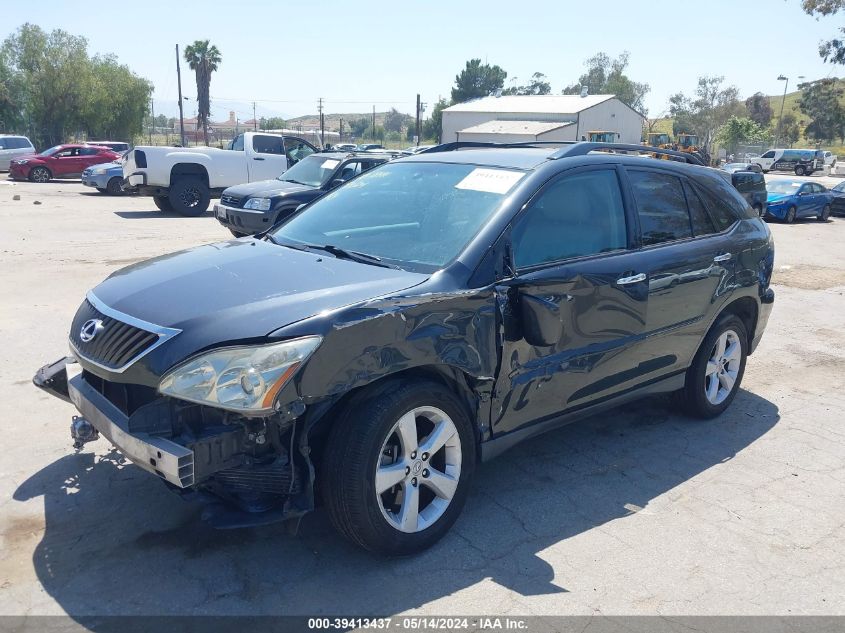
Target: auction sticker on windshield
(490, 180)
(329, 163)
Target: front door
(571, 251)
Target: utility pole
(254, 120)
(374, 123)
(417, 133)
(322, 126)
(181, 115)
(152, 118)
(340, 138)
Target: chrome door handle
(722, 258)
(624, 281)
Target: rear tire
(800, 171)
(101, 190)
(115, 186)
(379, 442)
(163, 204)
(189, 196)
(715, 375)
(825, 214)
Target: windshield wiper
(294, 245)
(304, 184)
(342, 253)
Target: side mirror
(541, 320)
(337, 182)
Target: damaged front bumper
(171, 461)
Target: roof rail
(570, 148)
(456, 145)
(583, 147)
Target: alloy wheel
(418, 470)
(39, 174)
(190, 197)
(723, 367)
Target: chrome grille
(119, 341)
(230, 201)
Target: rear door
(573, 257)
(90, 156)
(688, 260)
(266, 158)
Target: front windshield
(660, 139)
(688, 141)
(313, 170)
(51, 151)
(839, 187)
(417, 215)
(783, 186)
(736, 166)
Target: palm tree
(203, 60)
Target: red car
(61, 161)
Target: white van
(801, 161)
(12, 147)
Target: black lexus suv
(255, 207)
(370, 350)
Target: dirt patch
(809, 277)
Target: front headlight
(242, 379)
(22, 161)
(259, 204)
(98, 172)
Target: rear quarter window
(724, 203)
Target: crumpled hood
(777, 197)
(266, 189)
(243, 289)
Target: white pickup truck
(184, 179)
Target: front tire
(40, 174)
(717, 369)
(825, 214)
(397, 467)
(791, 212)
(163, 204)
(189, 196)
(115, 186)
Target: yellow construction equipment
(660, 140)
(688, 143)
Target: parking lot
(638, 511)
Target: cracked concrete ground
(639, 511)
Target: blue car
(107, 178)
(789, 200)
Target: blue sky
(285, 55)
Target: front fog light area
(243, 379)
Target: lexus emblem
(90, 329)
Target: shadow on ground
(116, 541)
(155, 213)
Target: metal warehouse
(513, 119)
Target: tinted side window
(769, 154)
(702, 224)
(267, 144)
(575, 216)
(661, 206)
(238, 143)
(88, 151)
(3, 143)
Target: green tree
(477, 80)
(607, 76)
(55, 72)
(358, 126)
(537, 86)
(203, 59)
(116, 101)
(833, 50)
(394, 120)
(739, 130)
(790, 129)
(707, 110)
(433, 126)
(271, 123)
(759, 109)
(820, 102)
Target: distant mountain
(332, 121)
